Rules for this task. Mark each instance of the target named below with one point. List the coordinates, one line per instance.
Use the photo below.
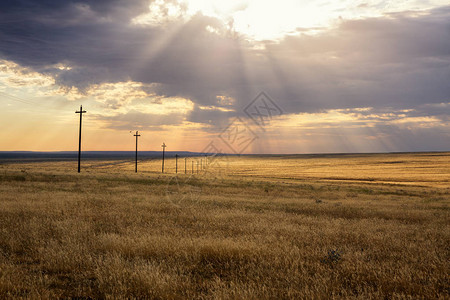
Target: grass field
(278, 227)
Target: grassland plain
(278, 227)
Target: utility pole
(197, 166)
(185, 162)
(176, 163)
(192, 167)
(164, 150)
(81, 112)
(136, 135)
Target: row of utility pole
(137, 135)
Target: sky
(243, 76)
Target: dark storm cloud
(65, 12)
(88, 35)
(398, 61)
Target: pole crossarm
(81, 111)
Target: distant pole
(81, 112)
(185, 163)
(164, 150)
(206, 161)
(176, 163)
(136, 135)
(201, 164)
(197, 166)
(192, 167)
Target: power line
(15, 98)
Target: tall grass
(112, 234)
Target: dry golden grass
(361, 227)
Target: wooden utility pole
(185, 162)
(192, 167)
(176, 163)
(81, 112)
(164, 150)
(136, 135)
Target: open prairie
(259, 227)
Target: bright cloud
(262, 20)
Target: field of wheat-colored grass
(273, 227)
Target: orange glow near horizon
(339, 130)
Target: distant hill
(95, 155)
(29, 156)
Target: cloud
(397, 61)
(137, 120)
(13, 75)
(68, 13)
(360, 130)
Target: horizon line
(224, 153)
